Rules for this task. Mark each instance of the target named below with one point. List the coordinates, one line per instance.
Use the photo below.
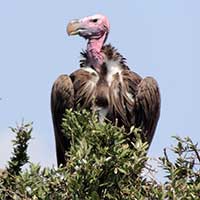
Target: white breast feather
(113, 68)
(130, 96)
(89, 69)
(95, 77)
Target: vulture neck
(96, 57)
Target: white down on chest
(113, 67)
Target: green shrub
(102, 164)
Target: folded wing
(62, 97)
(135, 102)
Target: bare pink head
(95, 29)
(91, 27)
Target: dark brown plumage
(122, 94)
(104, 84)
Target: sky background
(158, 38)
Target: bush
(102, 164)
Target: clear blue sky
(158, 38)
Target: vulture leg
(62, 98)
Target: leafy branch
(20, 145)
(102, 163)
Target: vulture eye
(94, 20)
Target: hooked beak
(74, 27)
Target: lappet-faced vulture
(105, 83)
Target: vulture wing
(148, 107)
(135, 101)
(62, 97)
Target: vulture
(104, 84)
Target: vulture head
(95, 29)
(91, 27)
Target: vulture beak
(74, 27)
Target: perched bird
(105, 84)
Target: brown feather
(84, 87)
(62, 97)
(136, 101)
(129, 99)
(149, 103)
